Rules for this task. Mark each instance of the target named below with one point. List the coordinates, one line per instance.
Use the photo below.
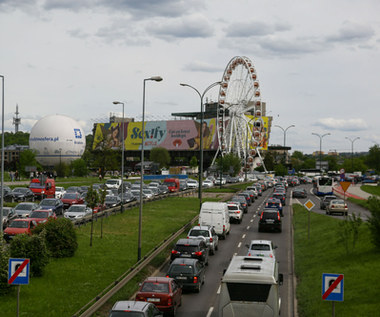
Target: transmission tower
(16, 120)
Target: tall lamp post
(352, 151)
(320, 147)
(246, 148)
(154, 78)
(2, 157)
(122, 156)
(201, 137)
(284, 130)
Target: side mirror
(280, 279)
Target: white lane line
(248, 227)
(210, 311)
(239, 245)
(243, 236)
(251, 220)
(218, 291)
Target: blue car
(274, 203)
(53, 204)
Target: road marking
(239, 245)
(218, 291)
(248, 227)
(251, 220)
(235, 253)
(210, 311)
(243, 236)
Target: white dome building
(57, 138)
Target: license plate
(186, 255)
(181, 278)
(270, 220)
(155, 300)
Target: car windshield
(126, 313)
(260, 247)
(24, 207)
(181, 268)
(69, 196)
(197, 232)
(155, 287)
(233, 207)
(111, 198)
(170, 184)
(112, 182)
(38, 214)
(337, 202)
(19, 190)
(19, 224)
(48, 202)
(76, 208)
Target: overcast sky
(318, 61)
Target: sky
(317, 62)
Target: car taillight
(195, 280)
(174, 252)
(141, 299)
(170, 301)
(198, 253)
(249, 253)
(211, 240)
(278, 216)
(261, 217)
(224, 228)
(237, 212)
(167, 275)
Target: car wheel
(216, 247)
(173, 312)
(198, 289)
(212, 251)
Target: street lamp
(284, 130)
(201, 137)
(2, 158)
(122, 156)
(154, 78)
(352, 151)
(246, 147)
(320, 147)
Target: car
(188, 272)
(133, 309)
(112, 201)
(299, 193)
(22, 194)
(53, 204)
(59, 192)
(325, 200)
(251, 194)
(208, 234)
(24, 209)
(261, 248)
(72, 198)
(254, 190)
(163, 189)
(127, 197)
(41, 216)
(235, 211)
(8, 215)
(74, 189)
(246, 196)
(148, 193)
(279, 196)
(77, 211)
(270, 219)
(337, 206)
(274, 203)
(242, 201)
(207, 183)
(220, 181)
(191, 248)
(8, 194)
(19, 226)
(164, 292)
(192, 183)
(113, 183)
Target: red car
(164, 292)
(71, 198)
(19, 226)
(41, 216)
(99, 208)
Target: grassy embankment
(323, 253)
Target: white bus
(323, 185)
(250, 287)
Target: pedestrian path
(353, 191)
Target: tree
(373, 158)
(269, 161)
(374, 220)
(161, 156)
(193, 162)
(92, 199)
(79, 167)
(27, 158)
(230, 164)
(4, 257)
(280, 170)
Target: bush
(4, 256)
(33, 248)
(61, 239)
(374, 220)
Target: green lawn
(374, 190)
(324, 254)
(70, 283)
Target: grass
(70, 283)
(323, 254)
(374, 190)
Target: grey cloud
(77, 33)
(254, 28)
(356, 124)
(197, 66)
(352, 32)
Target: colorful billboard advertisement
(172, 135)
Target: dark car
(251, 193)
(280, 196)
(53, 204)
(274, 203)
(270, 219)
(247, 197)
(242, 201)
(8, 194)
(299, 193)
(23, 210)
(22, 194)
(8, 215)
(191, 248)
(189, 273)
(326, 200)
(134, 309)
(164, 292)
(71, 198)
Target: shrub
(4, 256)
(61, 239)
(374, 220)
(33, 248)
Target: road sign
(342, 171)
(332, 287)
(345, 185)
(18, 271)
(309, 205)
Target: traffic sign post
(18, 274)
(332, 288)
(309, 206)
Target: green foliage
(79, 167)
(229, 163)
(4, 256)
(373, 158)
(33, 248)
(280, 170)
(63, 170)
(27, 158)
(269, 161)
(60, 236)
(348, 232)
(20, 138)
(374, 220)
(92, 197)
(161, 156)
(193, 162)
(105, 159)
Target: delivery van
(250, 287)
(216, 215)
(42, 187)
(172, 184)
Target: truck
(172, 183)
(216, 215)
(42, 187)
(250, 287)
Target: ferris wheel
(240, 125)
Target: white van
(250, 287)
(215, 214)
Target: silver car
(134, 308)
(208, 234)
(77, 211)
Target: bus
(323, 185)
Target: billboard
(172, 135)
